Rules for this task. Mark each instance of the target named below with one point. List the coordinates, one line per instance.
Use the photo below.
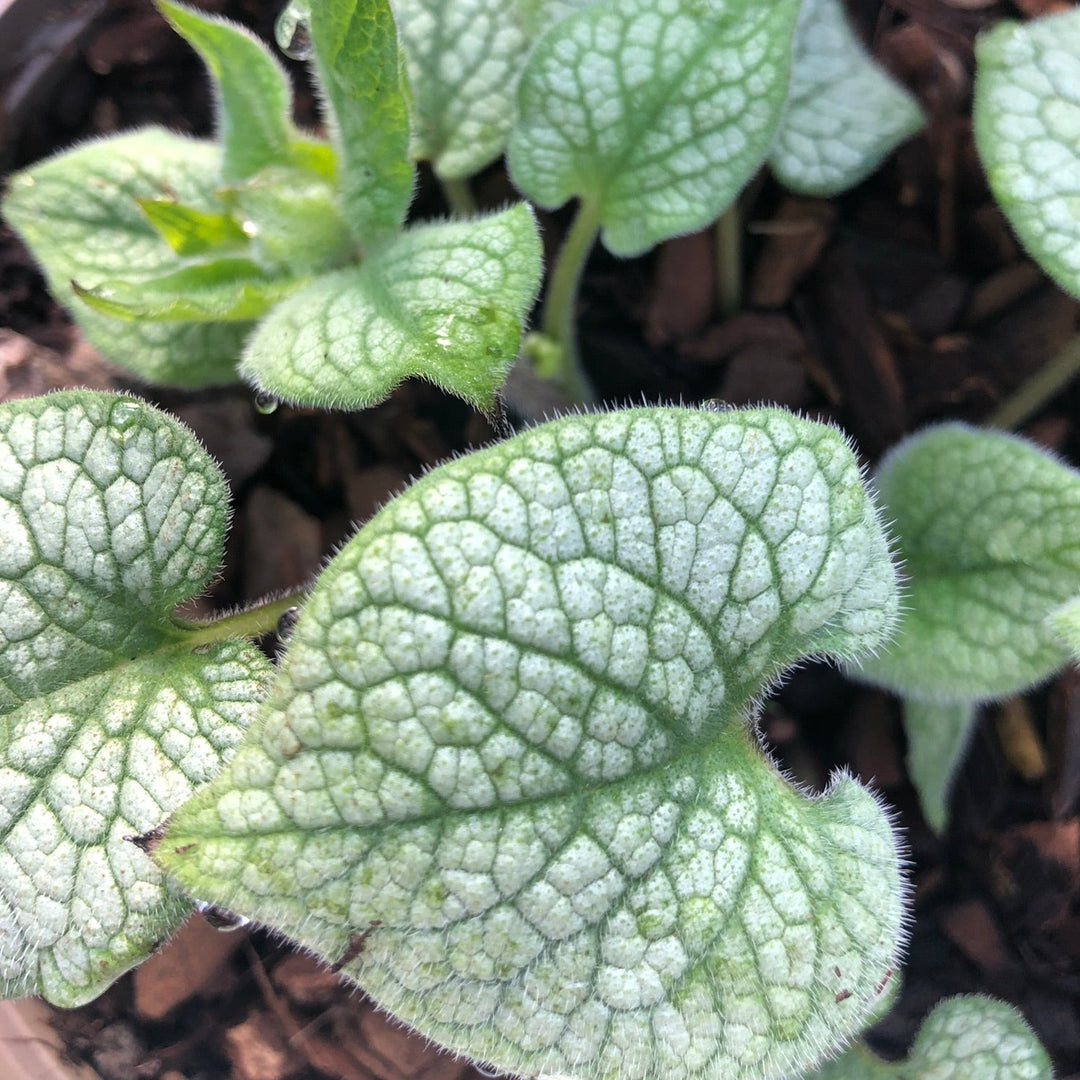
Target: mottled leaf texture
(964, 1038)
(1027, 129)
(989, 531)
(441, 302)
(110, 515)
(844, 113)
(80, 215)
(253, 92)
(653, 113)
(464, 58)
(937, 738)
(506, 777)
(1065, 622)
(356, 55)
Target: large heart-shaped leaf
(110, 715)
(654, 115)
(506, 778)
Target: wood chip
(795, 237)
(258, 1050)
(973, 929)
(306, 982)
(192, 962)
(282, 544)
(682, 290)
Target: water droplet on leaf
(291, 31)
(124, 414)
(265, 403)
(220, 918)
(287, 623)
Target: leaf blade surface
(989, 530)
(1026, 120)
(110, 515)
(506, 775)
(656, 114)
(442, 302)
(844, 113)
(80, 214)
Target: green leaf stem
(844, 113)
(1027, 130)
(655, 115)
(110, 516)
(441, 302)
(507, 778)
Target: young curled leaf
(507, 778)
(220, 290)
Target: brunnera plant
(289, 253)
(282, 251)
(505, 776)
(509, 746)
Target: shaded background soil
(904, 302)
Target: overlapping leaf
(254, 95)
(464, 58)
(357, 58)
(989, 531)
(938, 736)
(1027, 129)
(110, 716)
(963, 1038)
(654, 116)
(506, 777)
(80, 214)
(442, 302)
(844, 113)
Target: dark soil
(905, 302)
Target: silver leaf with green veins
(989, 531)
(442, 302)
(844, 113)
(464, 58)
(80, 215)
(110, 515)
(964, 1038)
(1027, 129)
(507, 775)
(654, 114)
